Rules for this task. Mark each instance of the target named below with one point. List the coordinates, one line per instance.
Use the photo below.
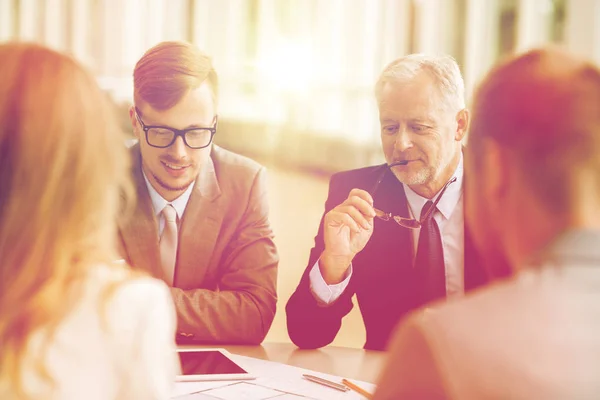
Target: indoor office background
(296, 77)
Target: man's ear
(462, 124)
(134, 122)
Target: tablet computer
(209, 365)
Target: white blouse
(117, 342)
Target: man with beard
(534, 195)
(393, 234)
(201, 222)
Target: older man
(393, 234)
(533, 159)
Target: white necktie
(168, 242)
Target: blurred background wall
(296, 76)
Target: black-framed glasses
(164, 136)
(410, 223)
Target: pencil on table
(357, 389)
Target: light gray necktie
(168, 243)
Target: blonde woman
(73, 323)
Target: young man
(201, 222)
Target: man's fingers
(342, 218)
(361, 205)
(357, 215)
(362, 194)
(356, 211)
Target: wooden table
(350, 363)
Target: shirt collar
(158, 202)
(448, 201)
(571, 246)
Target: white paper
(195, 396)
(243, 391)
(182, 388)
(274, 381)
(289, 379)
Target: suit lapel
(475, 272)
(385, 266)
(140, 231)
(199, 228)
(393, 199)
(390, 238)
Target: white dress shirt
(450, 219)
(158, 203)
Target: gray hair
(443, 68)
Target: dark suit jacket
(383, 277)
(226, 269)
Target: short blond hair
(64, 172)
(168, 71)
(442, 68)
(543, 108)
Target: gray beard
(417, 179)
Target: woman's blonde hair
(64, 172)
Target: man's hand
(347, 229)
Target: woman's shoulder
(129, 304)
(120, 287)
(121, 276)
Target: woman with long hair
(74, 323)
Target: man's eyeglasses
(164, 136)
(410, 223)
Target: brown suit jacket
(224, 286)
